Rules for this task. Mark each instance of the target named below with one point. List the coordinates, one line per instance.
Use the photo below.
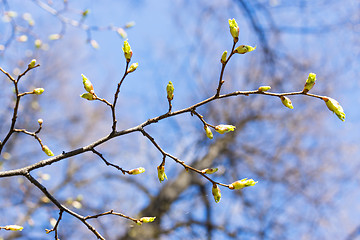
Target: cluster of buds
(145, 220)
(47, 150)
(234, 29)
(208, 132)
(170, 91)
(209, 170)
(264, 88)
(161, 173)
(136, 171)
(310, 82)
(287, 102)
(242, 49)
(242, 183)
(132, 67)
(335, 107)
(38, 91)
(222, 128)
(127, 51)
(216, 193)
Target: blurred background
(305, 159)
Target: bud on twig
(287, 102)
(242, 49)
(224, 128)
(223, 57)
(147, 219)
(136, 171)
(38, 91)
(87, 84)
(335, 107)
(216, 193)
(234, 29)
(209, 170)
(40, 121)
(32, 64)
(208, 132)
(127, 51)
(242, 183)
(88, 96)
(264, 88)
(161, 173)
(132, 67)
(170, 91)
(310, 82)
(13, 228)
(47, 150)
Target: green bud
(242, 183)
(13, 228)
(264, 88)
(133, 67)
(223, 57)
(87, 84)
(87, 96)
(40, 121)
(209, 170)
(147, 219)
(94, 44)
(335, 107)
(38, 91)
(55, 36)
(47, 150)
(224, 128)
(127, 51)
(32, 63)
(216, 193)
(208, 132)
(287, 102)
(234, 29)
(161, 173)
(170, 91)
(136, 171)
(310, 82)
(242, 49)
(130, 24)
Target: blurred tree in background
(304, 158)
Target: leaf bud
(234, 29)
(208, 132)
(242, 49)
(209, 170)
(170, 91)
(32, 64)
(287, 102)
(264, 88)
(127, 51)
(87, 84)
(147, 219)
(222, 128)
(47, 150)
(161, 173)
(216, 193)
(132, 67)
(310, 82)
(38, 91)
(136, 171)
(335, 107)
(223, 57)
(88, 96)
(13, 228)
(40, 121)
(242, 183)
